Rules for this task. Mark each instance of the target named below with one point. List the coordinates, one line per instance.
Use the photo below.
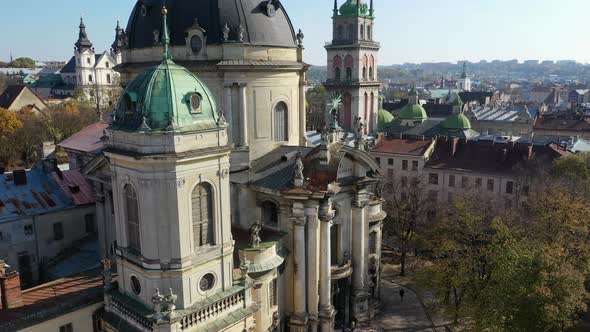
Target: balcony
(211, 308)
(341, 272)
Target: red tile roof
(88, 139)
(76, 187)
(53, 299)
(562, 124)
(403, 146)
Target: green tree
(23, 63)
(316, 101)
(574, 172)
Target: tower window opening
(281, 123)
(202, 206)
(348, 74)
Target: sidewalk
(407, 316)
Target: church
(215, 213)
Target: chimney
(455, 143)
(47, 148)
(20, 177)
(10, 291)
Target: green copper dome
(166, 98)
(384, 118)
(456, 122)
(169, 98)
(413, 112)
(354, 8)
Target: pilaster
(327, 312)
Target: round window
(196, 44)
(144, 10)
(135, 285)
(207, 282)
(195, 100)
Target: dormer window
(196, 44)
(195, 102)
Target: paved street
(407, 316)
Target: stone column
(298, 321)
(379, 244)
(302, 113)
(313, 267)
(243, 114)
(102, 220)
(228, 111)
(327, 312)
(360, 256)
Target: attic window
(195, 102)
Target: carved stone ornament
(255, 235)
(157, 301)
(225, 32)
(241, 31)
(170, 300)
(300, 37)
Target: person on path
(401, 294)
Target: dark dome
(260, 28)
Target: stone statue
(300, 37)
(241, 31)
(107, 274)
(359, 129)
(157, 301)
(144, 126)
(225, 32)
(334, 104)
(156, 36)
(298, 176)
(170, 300)
(255, 235)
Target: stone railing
(342, 272)
(130, 314)
(213, 310)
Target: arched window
(281, 122)
(348, 63)
(270, 215)
(348, 74)
(365, 73)
(90, 78)
(372, 112)
(202, 205)
(107, 64)
(88, 60)
(337, 63)
(350, 31)
(370, 32)
(132, 219)
(371, 73)
(109, 78)
(362, 32)
(366, 106)
(347, 116)
(340, 31)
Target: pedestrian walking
(401, 294)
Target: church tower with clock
(352, 64)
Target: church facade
(92, 73)
(214, 211)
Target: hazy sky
(409, 31)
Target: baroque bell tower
(352, 64)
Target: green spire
(166, 35)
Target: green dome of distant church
(413, 112)
(456, 122)
(166, 98)
(354, 8)
(384, 118)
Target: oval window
(144, 10)
(196, 44)
(135, 285)
(195, 100)
(207, 282)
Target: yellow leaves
(9, 122)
